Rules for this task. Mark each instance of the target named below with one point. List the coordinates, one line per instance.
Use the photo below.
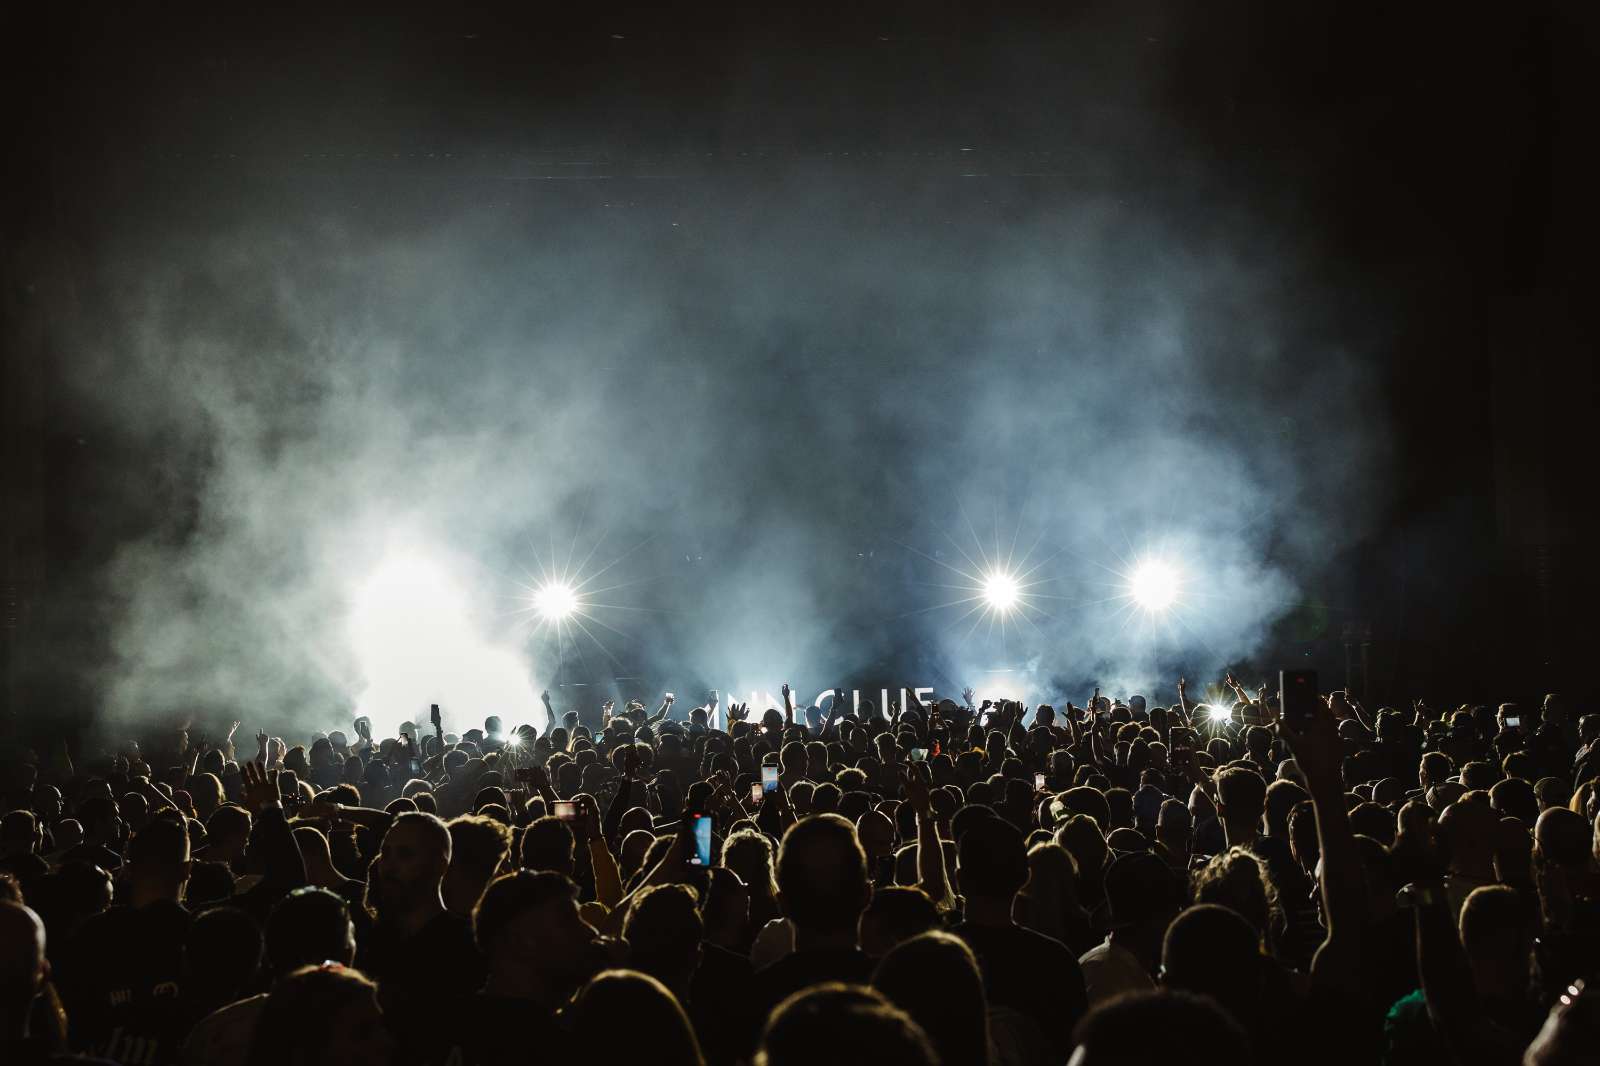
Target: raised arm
(1443, 970)
(665, 872)
(931, 876)
(835, 711)
(621, 798)
(1368, 721)
(365, 817)
(1233, 686)
(271, 839)
(539, 781)
(661, 712)
(1315, 744)
(607, 877)
(775, 816)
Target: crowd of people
(939, 883)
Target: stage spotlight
(1000, 591)
(1153, 585)
(1219, 715)
(555, 601)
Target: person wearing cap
(1141, 898)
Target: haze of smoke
(781, 377)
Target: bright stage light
(416, 641)
(1000, 591)
(555, 601)
(1153, 586)
(1218, 715)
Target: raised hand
(968, 695)
(916, 789)
(260, 787)
(538, 781)
(722, 791)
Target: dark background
(1440, 160)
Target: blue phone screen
(702, 840)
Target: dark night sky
(1422, 172)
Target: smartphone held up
(1297, 697)
(700, 833)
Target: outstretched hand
(916, 790)
(260, 786)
